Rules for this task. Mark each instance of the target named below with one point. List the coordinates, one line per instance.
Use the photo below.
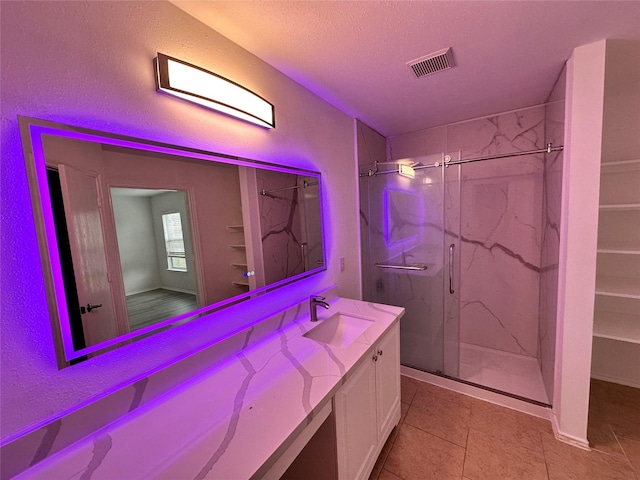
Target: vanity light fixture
(406, 171)
(209, 89)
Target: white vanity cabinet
(367, 407)
(337, 435)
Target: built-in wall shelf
(619, 248)
(239, 258)
(620, 206)
(617, 286)
(617, 326)
(617, 303)
(620, 163)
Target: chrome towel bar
(400, 267)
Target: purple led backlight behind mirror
(32, 133)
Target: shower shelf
(620, 206)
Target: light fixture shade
(198, 85)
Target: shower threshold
(509, 374)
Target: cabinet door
(387, 352)
(356, 431)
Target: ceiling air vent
(433, 63)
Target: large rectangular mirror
(136, 236)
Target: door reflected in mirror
(136, 236)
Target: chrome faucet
(314, 301)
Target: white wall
(136, 243)
(621, 128)
(90, 64)
(578, 240)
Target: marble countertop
(233, 420)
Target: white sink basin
(339, 330)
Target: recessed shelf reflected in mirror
(136, 236)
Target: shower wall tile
(500, 252)
(422, 142)
(371, 145)
(371, 148)
(504, 133)
(501, 211)
(452, 219)
(280, 225)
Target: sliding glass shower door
(457, 243)
(411, 223)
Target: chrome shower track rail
(550, 148)
(305, 184)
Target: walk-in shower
(461, 245)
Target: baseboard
(161, 287)
(179, 290)
(570, 439)
(144, 290)
(621, 381)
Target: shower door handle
(451, 290)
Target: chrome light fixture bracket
(195, 84)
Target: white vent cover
(433, 63)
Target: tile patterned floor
(444, 435)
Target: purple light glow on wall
(36, 130)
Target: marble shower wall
(501, 212)
(280, 224)
(371, 148)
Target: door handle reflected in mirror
(92, 307)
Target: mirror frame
(31, 131)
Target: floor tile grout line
(545, 440)
(624, 452)
(466, 450)
(544, 455)
(436, 436)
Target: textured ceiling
(354, 54)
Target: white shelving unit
(241, 264)
(617, 307)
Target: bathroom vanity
(332, 386)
